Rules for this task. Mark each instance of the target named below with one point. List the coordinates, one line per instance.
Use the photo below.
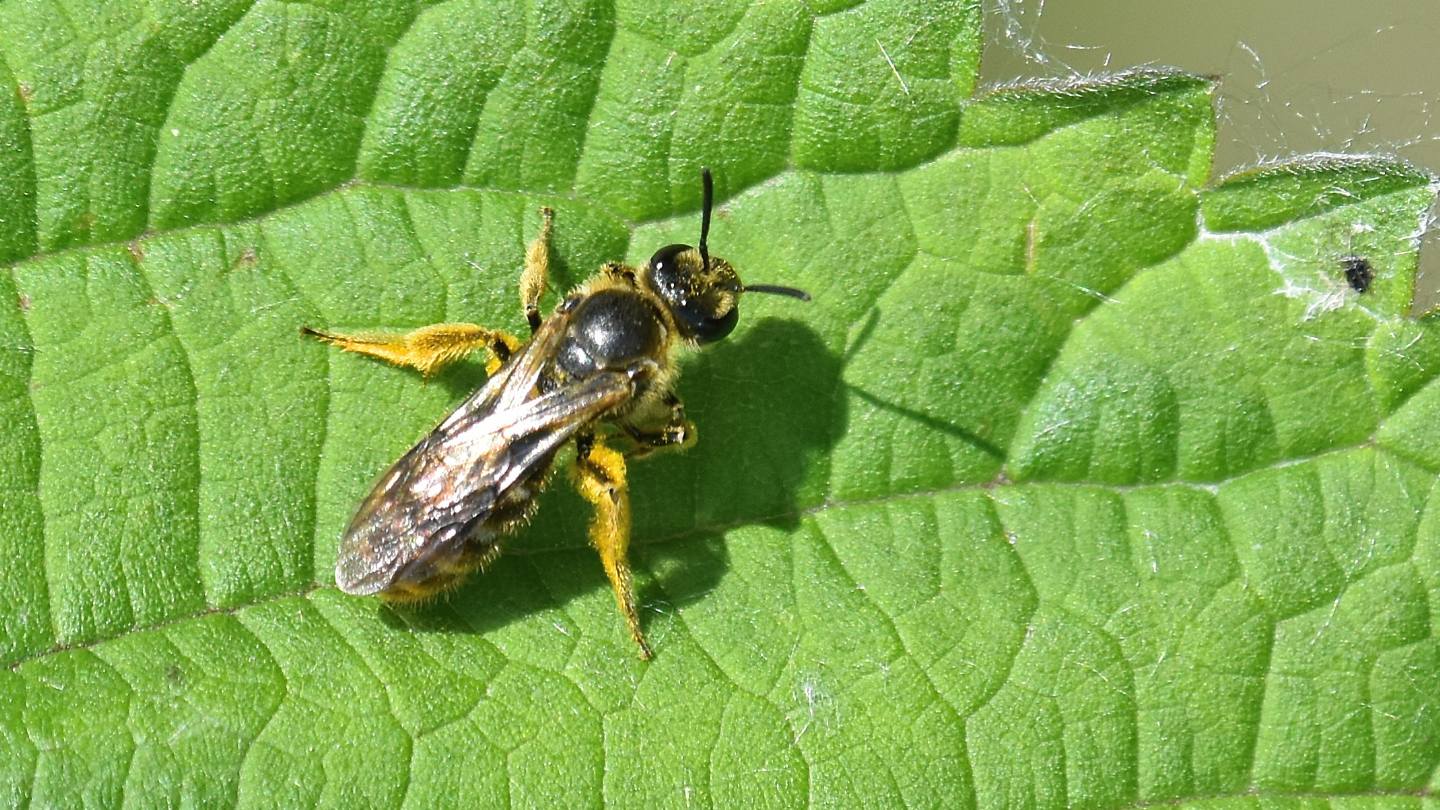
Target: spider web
(1294, 78)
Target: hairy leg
(533, 279)
(600, 477)
(427, 349)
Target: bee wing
(515, 381)
(432, 498)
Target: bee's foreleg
(537, 268)
(600, 477)
(429, 348)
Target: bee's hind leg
(600, 477)
(429, 348)
(537, 268)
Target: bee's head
(702, 291)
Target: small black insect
(1358, 272)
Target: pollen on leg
(600, 478)
(427, 349)
(533, 280)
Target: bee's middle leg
(429, 348)
(600, 477)
(676, 431)
(537, 268)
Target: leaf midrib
(786, 516)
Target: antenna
(707, 199)
(774, 289)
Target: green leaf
(1082, 482)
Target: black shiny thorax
(609, 329)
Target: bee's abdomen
(610, 329)
(443, 570)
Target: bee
(598, 373)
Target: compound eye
(709, 330)
(662, 264)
